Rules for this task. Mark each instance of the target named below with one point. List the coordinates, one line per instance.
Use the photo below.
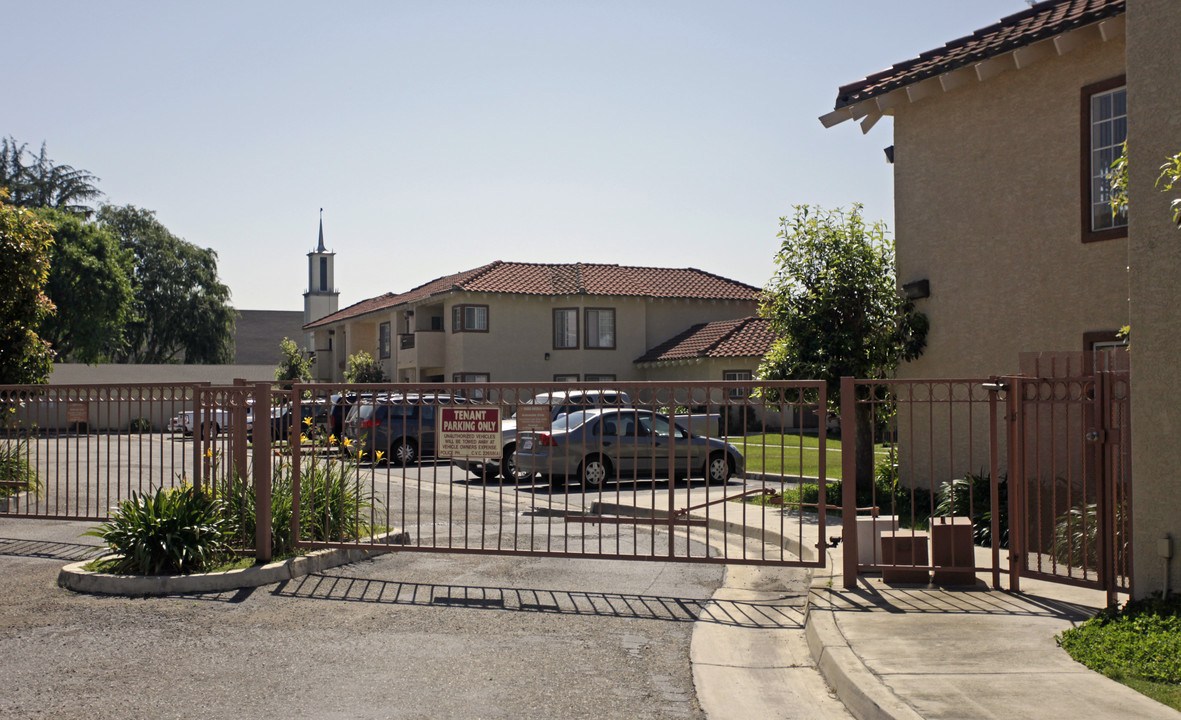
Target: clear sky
(439, 135)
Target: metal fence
(930, 481)
(73, 452)
(685, 471)
(1024, 475)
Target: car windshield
(565, 403)
(572, 420)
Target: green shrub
(140, 425)
(333, 505)
(16, 474)
(1076, 535)
(175, 531)
(1143, 640)
(971, 496)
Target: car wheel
(205, 427)
(508, 465)
(594, 471)
(717, 468)
(404, 452)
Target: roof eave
(871, 107)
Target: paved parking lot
(407, 635)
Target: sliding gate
(683, 471)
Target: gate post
(262, 471)
(1016, 481)
(849, 481)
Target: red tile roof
(1041, 21)
(745, 337)
(570, 279)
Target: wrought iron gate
(1070, 436)
(644, 471)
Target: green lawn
(780, 454)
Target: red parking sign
(471, 432)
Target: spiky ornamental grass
(175, 531)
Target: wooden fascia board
(868, 112)
(870, 120)
(923, 89)
(836, 117)
(1030, 54)
(1077, 38)
(956, 78)
(1112, 28)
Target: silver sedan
(596, 445)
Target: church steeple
(321, 298)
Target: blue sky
(439, 136)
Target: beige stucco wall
(987, 208)
(1154, 127)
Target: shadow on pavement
(70, 552)
(341, 588)
(872, 596)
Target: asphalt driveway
(406, 635)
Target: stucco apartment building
(533, 322)
(1002, 140)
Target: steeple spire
(320, 249)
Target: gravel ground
(407, 635)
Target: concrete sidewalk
(910, 651)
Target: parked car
(597, 445)
(341, 404)
(317, 410)
(562, 402)
(183, 422)
(401, 427)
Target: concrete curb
(862, 692)
(74, 577)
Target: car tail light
(544, 440)
(370, 423)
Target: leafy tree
(294, 367)
(834, 306)
(362, 368)
(39, 182)
(89, 282)
(24, 269)
(181, 308)
(1170, 175)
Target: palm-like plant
(175, 531)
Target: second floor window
(469, 318)
(600, 328)
(383, 340)
(565, 328)
(1105, 128)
